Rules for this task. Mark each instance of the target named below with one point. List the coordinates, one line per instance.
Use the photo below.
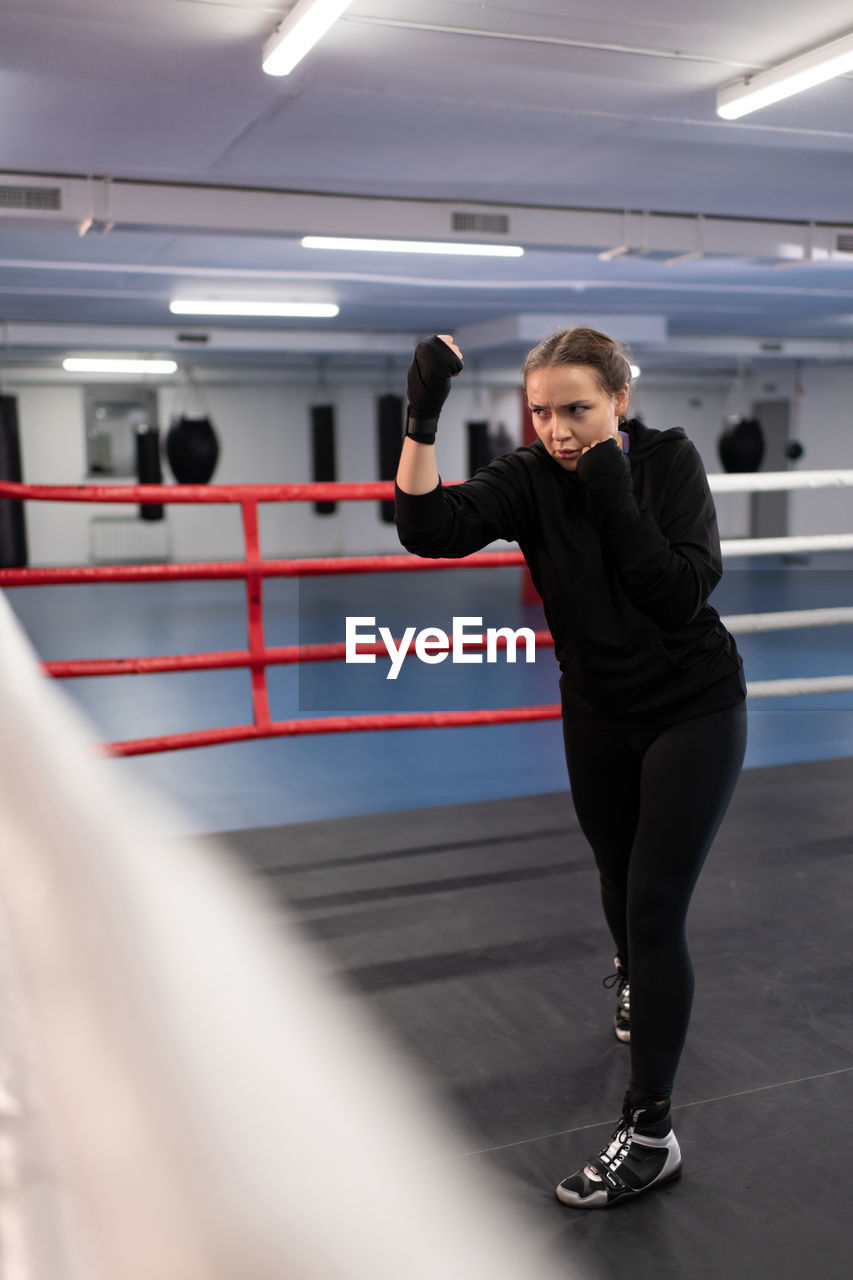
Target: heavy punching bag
(13, 531)
(389, 430)
(741, 445)
(479, 446)
(148, 469)
(192, 449)
(324, 465)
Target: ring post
(254, 603)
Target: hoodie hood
(646, 440)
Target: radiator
(128, 540)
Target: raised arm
(436, 361)
(432, 520)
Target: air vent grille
(30, 197)
(492, 223)
(844, 243)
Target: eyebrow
(573, 404)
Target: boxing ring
(151, 1005)
(253, 569)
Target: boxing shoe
(642, 1153)
(622, 1019)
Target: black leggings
(650, 804)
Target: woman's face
(571, 411)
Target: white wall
(53, 451)
(264, 437)
(826, 430)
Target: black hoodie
(628, 607)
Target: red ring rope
(253, 569)
(231, 569)
(285, 654)
(334, 724)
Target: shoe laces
(620, 1143)
(619, 979)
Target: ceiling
(181, 168)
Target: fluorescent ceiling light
(84, 365)
(297, 34)
(795, 75)
(413, 246)
(203, 307)
(635, 371)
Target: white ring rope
(786, 546)
(789, 688)
(767, 481)
(773, 481)
(789, 620)
(744, 623)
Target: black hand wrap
(605, 474)
(428, 387)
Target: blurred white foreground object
(184, 1095)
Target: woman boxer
(618, 527)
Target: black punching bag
(324, 467)
(13, 531)
(741, 445)
(192, 449)
(148, 469)
(479, 446)
(390, 439)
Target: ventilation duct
(29, 198)
(491, 223)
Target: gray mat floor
(475, 933)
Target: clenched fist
(436, 361)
